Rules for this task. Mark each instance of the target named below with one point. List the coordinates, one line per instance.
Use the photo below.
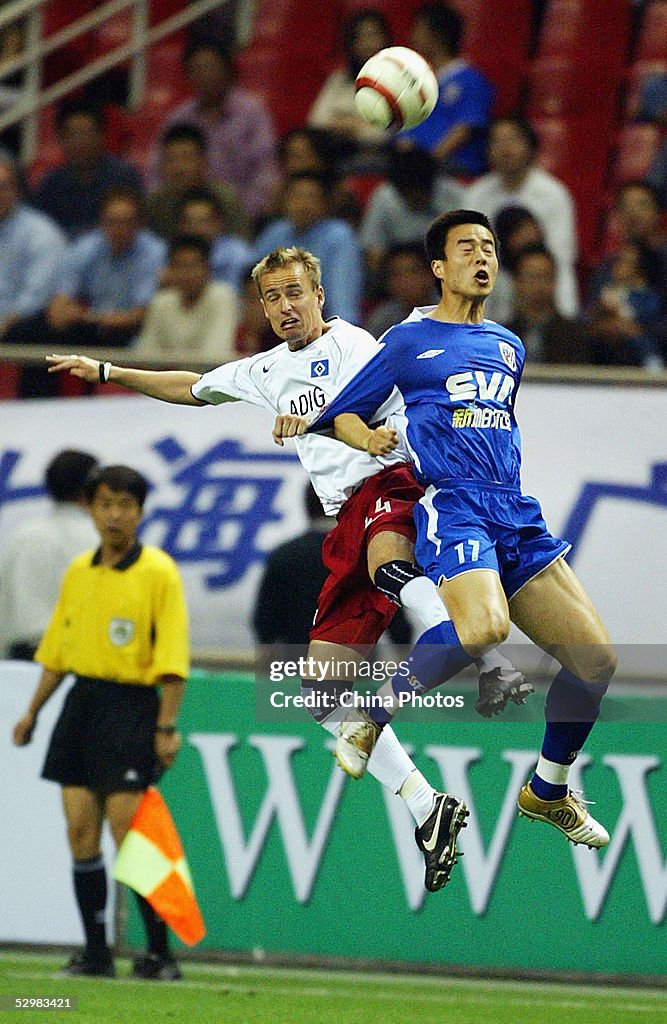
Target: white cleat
(357, 735)
(568, 815)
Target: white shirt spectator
(550, 202)
(202, 331)
(32, 565)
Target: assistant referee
(120, 625)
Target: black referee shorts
(104, 738)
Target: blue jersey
(459, 384)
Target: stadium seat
(561, 87)
(636, 147)
(572, 28)
(576, 150)
(652, 39)
(267, 66)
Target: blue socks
(435, 658)
(571, 710)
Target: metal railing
(629, 376)
(37, 47)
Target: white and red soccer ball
(395, 89)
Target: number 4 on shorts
(474, 550)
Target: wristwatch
(168, 730)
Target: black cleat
(436, 838)
(499, 686)
(156, 968)
(82, 964)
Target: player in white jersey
(372, 492)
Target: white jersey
(303, 383)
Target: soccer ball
(395, 89)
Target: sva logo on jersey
(508, 354)
(319, 368)
(466, 387)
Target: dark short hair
(436, 236)
(66, 474)
(201, 195)
(126, 194)
(537, 249)
(184, 133)
(223, 49)
(645, 186)
(445, 22)
(414, 249)
(351, 27)
(412, 168)
(325, 181)
(180, 242)
(79, 107)
(118, 479)
(322, 141)
(507, 222)
(522, 125)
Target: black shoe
(86, 965)
(156, 968)
(436, 838)
(497, 687)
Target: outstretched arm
(167, 385)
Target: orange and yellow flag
(151, 861)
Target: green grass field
(216, 994)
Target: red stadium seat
(652, 40)
(561, 87)
(576, 151)
(268, 65)
(636, 147)
(574, 28)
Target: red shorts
(350, 610)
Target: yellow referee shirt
(128, 624)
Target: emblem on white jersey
(431, 353)
(508, 354)
(121, 631)
(319, 368)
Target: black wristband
(104, 370)
(168, 730)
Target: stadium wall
(290, 858)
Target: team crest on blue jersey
(508, 354)
(319, 368)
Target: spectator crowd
(100, 254)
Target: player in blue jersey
(479, 537)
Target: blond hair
(283, 257)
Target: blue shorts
(463, 527)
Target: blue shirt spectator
(31, 252)
(106, 280)
(333, 241)
(455, 133)
(72, 193)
